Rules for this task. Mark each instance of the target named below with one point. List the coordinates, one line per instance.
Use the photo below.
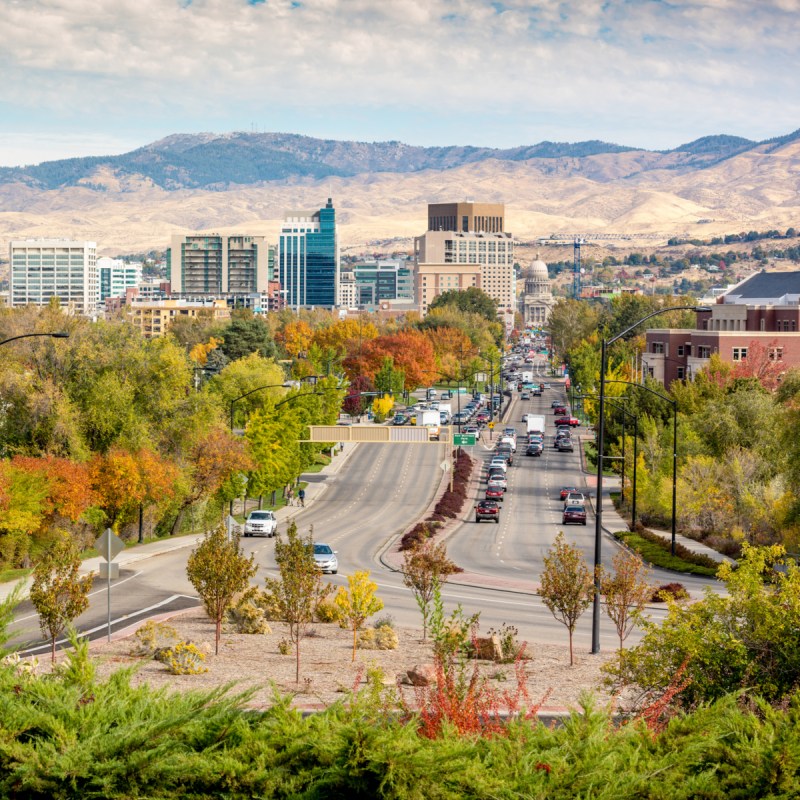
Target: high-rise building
(213, 264)
(446, 260)
(467, 217)
(45, 268)
(116, 276)
(384, 279)
(308, 258)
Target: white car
(325, 558)
(510, 440)
(261, 523)
(499, 461)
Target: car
(573, 422)
(470, 429)
(325, 558)
(534, 449)
(504, 451)
(399, 419)
(494, 493)
(260, 523)
(524, 418)
(499, 481)
(575, 514)
(560, 410)
(556, 404)
(494, 474)
(565, 490)
(546, 386)
(499, 461)
(509, 431)
(510, 441)
(574, 499)
(482, 416)
(564, 445)
(446, 395)
(487, 509)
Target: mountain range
(247, 181)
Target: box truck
(535, 424)
(431, 420)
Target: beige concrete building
(451, 260)
(154, 317)
(467, 217)
(536, 303)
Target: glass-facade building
(308, 259)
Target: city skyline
(642, 73)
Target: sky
(100, 77)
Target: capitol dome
(537, 269)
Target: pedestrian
(289, 496)
(301, 496)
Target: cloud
(635, 65)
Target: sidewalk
(316, 486)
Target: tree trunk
(178, 520)
(53, 649)
(354, 642)
(218, 634)
(297, 660)
(571, 661)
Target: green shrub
(153, 636)
(185, 658)
(247, 617)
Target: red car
(573, 422)
(574, 514)
(565, 490)
(494, 493)
(559, 410)
(487, 509)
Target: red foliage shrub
(677, 590)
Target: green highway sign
(464, 439)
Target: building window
(658, 347)
(687, 349)
(680, 349)
(705, 324)
(776, 354)
(703, 352)
(681, 373)
(739, 353)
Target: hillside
(715, 185)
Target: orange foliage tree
(345, 336)
(411, 351)
(451, 348)
(296, 337)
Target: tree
(219, 570)
(472, 299)
(299, 590)
(626, 591)
(566, 585)
(425, 568)
(58, 593)
(247, 334)
(359, 603)
(388, 379)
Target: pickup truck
(573, 422)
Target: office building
(41, 269)
(446, 260)
(117, 276)
(384, 279)
(308, 258)
(467, 217)
(213, 264)
(762, 311)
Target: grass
(12, 575)
(659, 557)
(590, 460)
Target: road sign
(464, 439)
(445, 466)
(490, 425)
(109, 545)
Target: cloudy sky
(96, 77)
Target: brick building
(763, 309)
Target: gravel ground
(327, 669)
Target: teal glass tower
(308, 259)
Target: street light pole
(58, 335)
(600, 445)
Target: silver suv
(261, 523)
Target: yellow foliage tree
(199, 353)
(357, 605)
(382, 406)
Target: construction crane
(578, 239)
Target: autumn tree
(425, 568)
(296, 337)
(566, 585)
(298, 591)
(358, 603)
(219, 570)
(58, 593)
(626, 591)
(471, 299)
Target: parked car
(325, 558)
(487, 509)
(261, 523)
(565, 490)
(575, 514)
(534, 449)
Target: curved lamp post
(57, 335)
(598, 530)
